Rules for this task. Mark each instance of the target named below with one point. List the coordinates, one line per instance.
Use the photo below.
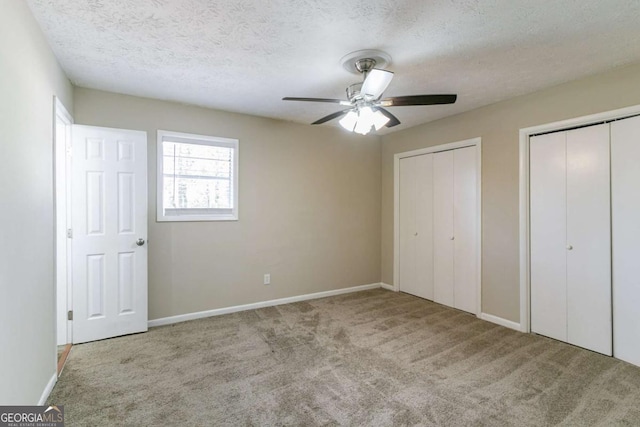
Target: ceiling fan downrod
(364, 65)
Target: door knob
(416, 234)
(569, 247)
(140, 242)
(452, 237)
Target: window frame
(190, 138)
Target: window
(197, 177)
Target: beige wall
(29, 78)
(499, 126)
(309, 208)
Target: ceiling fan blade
(331, 100)
(376, 83)
(393, 120)
(401, 101)
(331, 117)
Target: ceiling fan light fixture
(379, 120)
(362, 128)
(349, 121)
(363, 120)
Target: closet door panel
(589, 239)
(443, 228)
(424, 225)
(548, 235)
(625, 197)
(464, 218)
(407, 264)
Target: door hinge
(69, 233)
(70, 315)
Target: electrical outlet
(267, 279)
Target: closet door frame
(525, 254)
(477, 142)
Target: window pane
(199, 167)
(197, 176)
(185, 193)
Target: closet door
(443, 228)
(625, 182)
(589, 239)
(416, 225)
(464, 226)
(407, 264)
(424, 226)
(548, 219)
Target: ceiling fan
(366, 107)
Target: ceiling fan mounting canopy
(366, 108)
(350, 61)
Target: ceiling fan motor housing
(353, 92)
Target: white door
(443, 190)
(109, 216)
(416, 226)
(424, 226)
(570, 237)
(548, 219)
(407, 261)
(625, 196)
(465, 204)
(589, 239)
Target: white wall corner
(47, 389)
(500, 321)
(226, 310)
(388, 287)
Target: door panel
(589, 238)
(548, 235)
(625, 178)
(407, 262)
(109, 214)
(464, 218)
(443, 228)
(416, 226)
(424, 225)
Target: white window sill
(187, 218)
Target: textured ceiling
(245, 55)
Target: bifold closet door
(625, 196)
(465, 206)
(443, 234)
(570, 237)
(548, 219)
(416, 226)
(589, 239)
(455, 228)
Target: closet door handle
(453, 238)
(569, 247)
(416, 234)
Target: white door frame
(62, 215)
(477, 142)
(525, 256)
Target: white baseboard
(47, 389)
(219, 311)
(500, 321)
(387, 287)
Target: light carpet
(369, 358)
